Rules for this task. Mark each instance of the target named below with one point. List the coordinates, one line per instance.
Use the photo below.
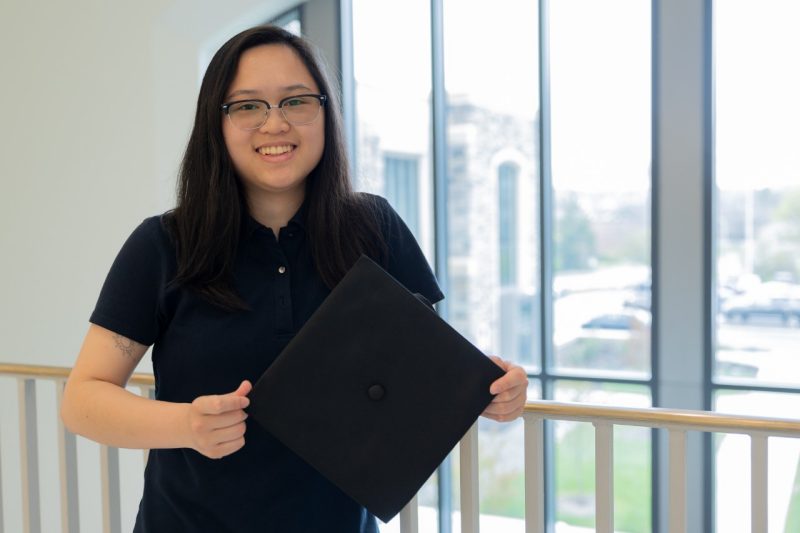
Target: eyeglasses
(252, 114)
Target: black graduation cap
(374, 391)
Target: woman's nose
(275, 123)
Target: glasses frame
(321, 97)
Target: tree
(574, 242)
(788, 212)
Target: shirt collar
(298, 220)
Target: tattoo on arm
(125, 345)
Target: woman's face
(276, 158)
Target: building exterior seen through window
(401, 187)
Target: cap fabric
(375, 390)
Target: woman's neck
(275, 210)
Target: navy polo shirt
(200, 349)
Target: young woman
(265, 225)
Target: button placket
(283, 297)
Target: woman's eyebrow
(249, 92)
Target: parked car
(774, 299)
(623, 320)
(745, 308)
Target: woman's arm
(97, 405)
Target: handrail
(664, 418)
(651, 416)
(57, 372)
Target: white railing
(604, 419)
(675, 422)
(28, 376)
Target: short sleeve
(407, 264)
(129, 300)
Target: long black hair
(207, 221)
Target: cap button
(376, 392)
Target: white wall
(98, 99)
(97, 103)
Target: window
(591, 187)
(290, 21)
(507, 225)
(757, 293)
(393, 132)
(600, 102)
(392, 99)
(401, 188)
(600, 92)
(492, 190)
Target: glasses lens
(300, 109)
(248, 115)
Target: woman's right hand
(216, 423)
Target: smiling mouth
(275, 150)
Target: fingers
(228, 448)
(505, 411)
(209, 423)
(510, 392)
(515, 376)
(216, 423)
(228, 434)
(511, 395)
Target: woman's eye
(294, 102)
(246, 106)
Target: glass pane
(732, 467)
(575, 465)
(393, 135)
(600, 96)
(758, 192)
(492, 194)
(393, 86)
(492, 176)
(290, 21)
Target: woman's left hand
(511, 392)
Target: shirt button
(281, 269)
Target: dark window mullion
(545, 255)
(439, 156)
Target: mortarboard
(374, 390)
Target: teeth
(274, 150)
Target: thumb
(499, 362)
(244, 389)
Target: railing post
(409, 517)
(68, 465)
(470, 503)
(109, 474)
(534, 474)
(2, 520)
(758, 483)
(29, 455)
(604, 477)
(677, 481)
